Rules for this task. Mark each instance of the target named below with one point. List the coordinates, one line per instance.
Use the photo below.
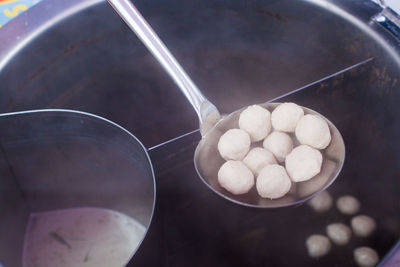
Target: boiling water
(89, 237)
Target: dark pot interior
(238, 53)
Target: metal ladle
(207, 158)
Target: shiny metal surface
(390, 20)
(86, 59)
(381, 2)
(60, 159)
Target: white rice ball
(321, 202)
(314, 131)
(339, 233)
(303, 163)
(256, 121)
(235, 177)
(366, 257)
(258, 158)
(363, 225)
(348, 205)
(280, 144)
(285, 117)
(273, 182)
(318, 245)
(234, 144)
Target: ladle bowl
(206, 158)
(208, 161)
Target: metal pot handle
(381, 3)
(388, 19)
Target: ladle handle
(150, 39)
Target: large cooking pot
(79, 55)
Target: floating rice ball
(303, 163)
(273, 182)
(235, 177)
(321, 202)
(285, 117)
(363, 225)
(234, 144)
(258, 158)
(339, 233)
(348, 205)
(256, 121)
(318, 245)
(314, 131)
(366, 257)
(280, 144)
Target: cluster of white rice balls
(262, 150)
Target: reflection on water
(90, 237)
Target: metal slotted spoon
(206, 158)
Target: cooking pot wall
(238, 52)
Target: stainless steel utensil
(207, 159)
(110, 73)
(206, 111)
(62, 159)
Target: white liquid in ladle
(81, 237)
